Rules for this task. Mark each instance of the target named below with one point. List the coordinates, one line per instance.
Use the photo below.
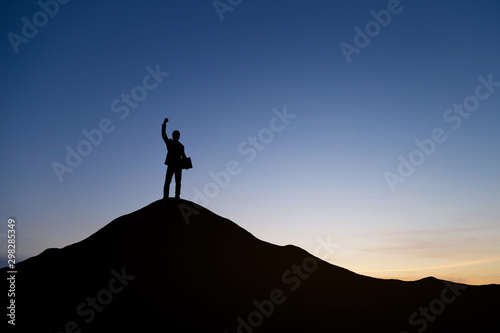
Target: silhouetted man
(173, 160)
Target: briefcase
(186, 163)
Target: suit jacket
(175, 149)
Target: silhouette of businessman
(175, 154)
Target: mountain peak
(174, 264)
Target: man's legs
(178, 177)
(168, 180)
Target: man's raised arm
(164, 130)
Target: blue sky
(321, 177)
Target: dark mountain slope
(179, 267)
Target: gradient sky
(319, 178)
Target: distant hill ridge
(173, 265)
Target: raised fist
(165, 121)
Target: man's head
(176, 135)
